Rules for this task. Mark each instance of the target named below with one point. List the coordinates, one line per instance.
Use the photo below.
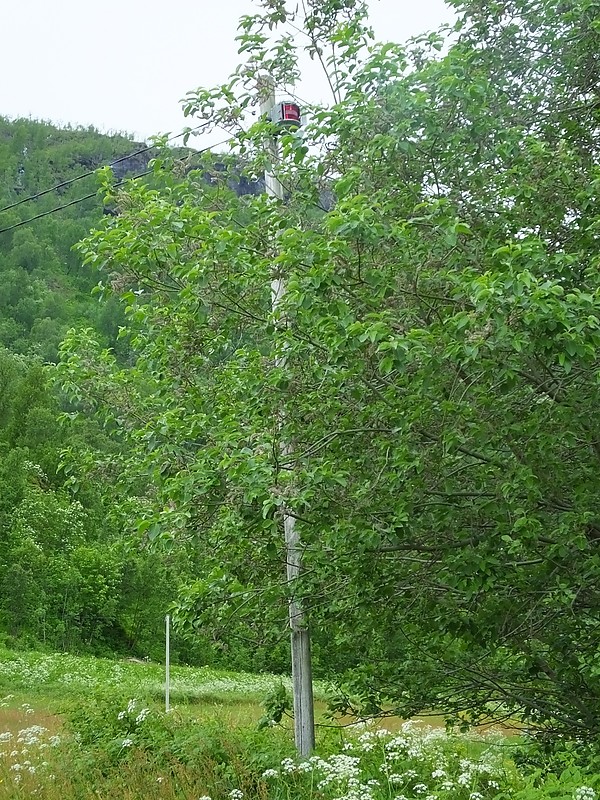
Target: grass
(53, 682)
(63, 674)
(52, 679)
(71, 729)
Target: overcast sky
(123, 65)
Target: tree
(440, 386)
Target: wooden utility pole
(304, 714)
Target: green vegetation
(61, 675)
(440, 327)
(422, 403)
(67, 579)
(113, 740)
(45, 288)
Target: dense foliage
(67, 581)
(67, 578)
(441, 327)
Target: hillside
(45, 288)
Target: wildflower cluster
(131, 718)
(418, 762)
(25, 752)
(584, 793)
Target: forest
(363, 407)
(69, 579)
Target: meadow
(80, 727)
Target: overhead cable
(94, 194)
(92, 171)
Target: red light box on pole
(286, 115)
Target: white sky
(124, 65)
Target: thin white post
(167, 663)
(304, 715)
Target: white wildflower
(270, 773)
(584, 793)
(31, 735)
(367, 747)
(142, 716)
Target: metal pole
(304, 715)
(167, 663)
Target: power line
(93, 194)
(66, 205)
(72, 180)
(69, 182)
(92, 171)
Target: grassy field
(51, 683)
(74, 728)
(62, 674)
